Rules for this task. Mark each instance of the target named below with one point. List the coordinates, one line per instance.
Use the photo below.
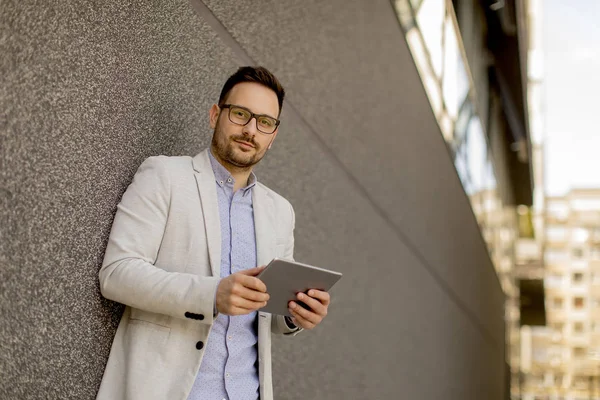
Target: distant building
(564, 355)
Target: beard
(228, 151)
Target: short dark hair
(253, 74)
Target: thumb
(253, 271)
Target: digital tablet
(284, 279)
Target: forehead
(257, 98)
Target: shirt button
(229, 337)
(229, 180)
(228, 375)
(221, 182)
(199, 345)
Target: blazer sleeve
(278, 324)
(128, 274)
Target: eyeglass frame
(252, 115)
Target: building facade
(562, 359)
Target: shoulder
(163, 161)
(163, 170)
(166, 164)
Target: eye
(240, 113)
(266, 122)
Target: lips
(245, 144)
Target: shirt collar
(223, 177)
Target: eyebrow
(246, 108)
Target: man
(182, 255)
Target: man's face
(243, 146)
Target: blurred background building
(561, 361)
(482, 69)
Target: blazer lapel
(205, 179)
(264, 225)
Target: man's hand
(241, 293)
(317, 301)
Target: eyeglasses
(241, 116)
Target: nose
(250, 128)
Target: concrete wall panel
(90, 89)
(352, 79)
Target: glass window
(579, 352)
(578, 277)
(578, 302)
(557, 302)
(558, 378)
(430, 19)
(455, 85)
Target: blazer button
(199, 345)
(200, 317)
(188, 315)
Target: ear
(213, 115)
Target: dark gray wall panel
(350, 75)
(392, 331)
(88, 90)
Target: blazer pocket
(150, 319)
(149, 325)
(146, 349)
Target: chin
(240, 161)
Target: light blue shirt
(229, 368)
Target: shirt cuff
(290, 324)
(215, 312)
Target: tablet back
(285, 278)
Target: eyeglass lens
(241, 116)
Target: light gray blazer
(163, 262)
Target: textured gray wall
(89, 89)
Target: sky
(571, 42)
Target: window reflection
(430, 19)
(432, 35)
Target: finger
(247, 304)
(301, 321)
(250, 294)
(324, 297)
(252, 283)
(314, 304)
(304, 313)
(253, 271)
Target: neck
(239, 174)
